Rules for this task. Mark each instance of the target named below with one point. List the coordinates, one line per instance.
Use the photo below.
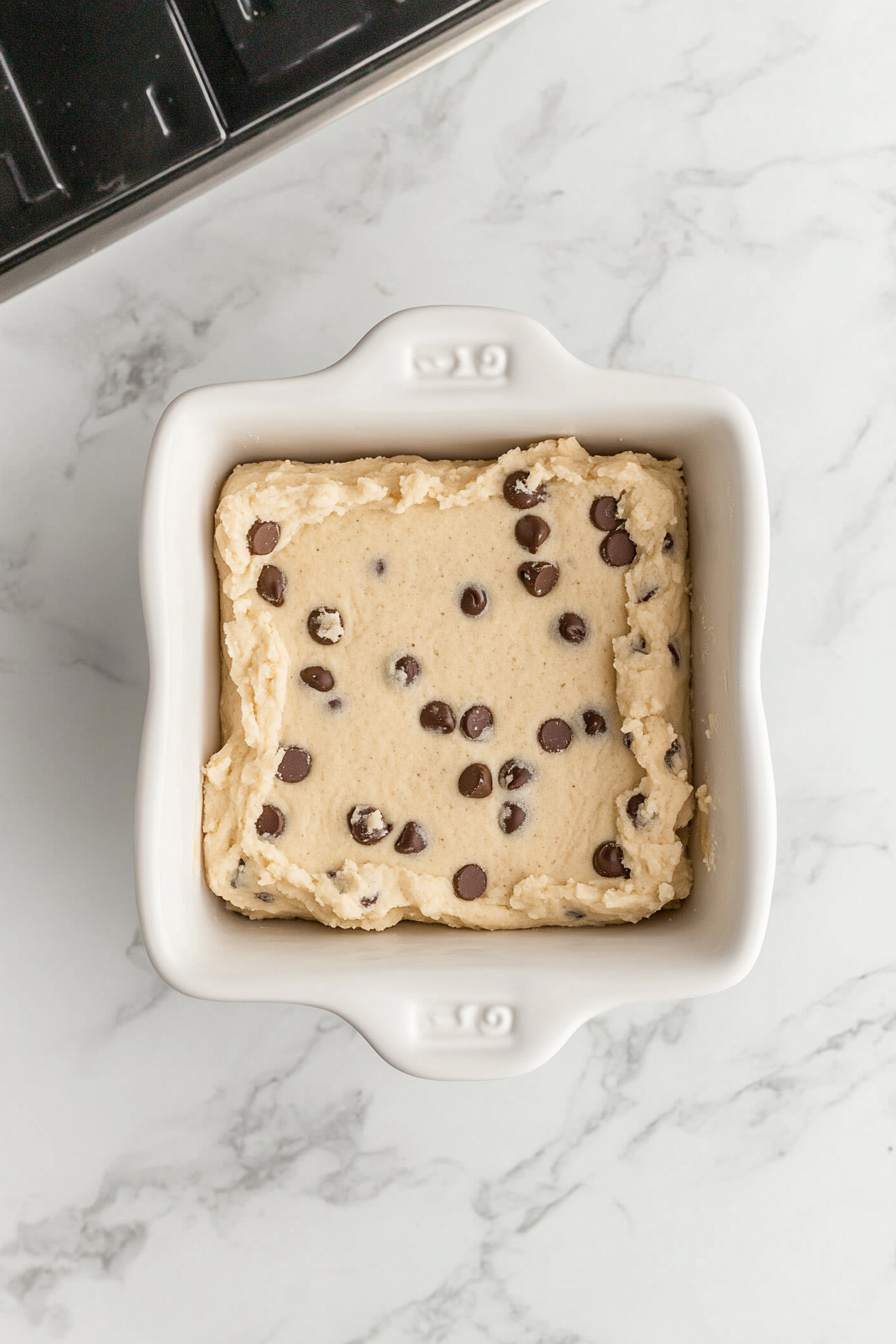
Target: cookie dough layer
(378, 567)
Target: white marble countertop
(689, 188)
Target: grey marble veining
(690, 188)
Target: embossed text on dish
(466, 1021)
(461, 363)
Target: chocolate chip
(265, 896)
(295, 765)
(572, 628)
(368, 825)
(633, 808)
(469, 882)
(437, 717)
(240, 868)
(475, 721)
(554, 735)
(475, 781)
(407, 670)
(511, 817)
(473, 601)
(318, 678)
(627, 740)
(618, 549)
(379, 567)
(518, 496)
(603, 514)
(271, 585)
(651, 592)
(639, 645)
(609, 861)
(514, 774)
(335, 704)
(672, 754)
(538, 577)
(368, 901)
(531, 532)
(575, 914)
(668, 543)
(262, 537)
(595, 723)
(675, 655)
(325, 625)
(412, 839)
(271, 822)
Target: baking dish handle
(478, 1036)
(448, 351)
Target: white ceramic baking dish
(438, 1002)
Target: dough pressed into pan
(453, 691)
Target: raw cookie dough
(453, 691)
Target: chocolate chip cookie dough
(453, 692)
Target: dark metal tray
(113, 110)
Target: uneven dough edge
(652, 500)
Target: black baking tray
(113, 110)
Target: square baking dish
(439, 1002)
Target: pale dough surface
(390, 544)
